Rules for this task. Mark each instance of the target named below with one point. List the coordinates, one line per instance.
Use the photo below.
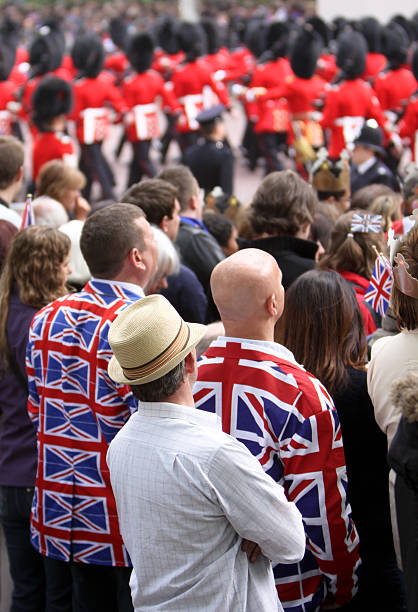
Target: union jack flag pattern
(77, 411)
(378, 292)
(28, 216)
(287, 420)
(361, 222)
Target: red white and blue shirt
(77, 410)
(287, 420)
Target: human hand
(82, 208)
(251, 549)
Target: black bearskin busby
(414, 64)
(277, 38)
(191, 39)
(88, 55)
(47, 49)
(118, 32)
(51, 98)
(395, 44)
(212, 36)
(9, 34)
(351, 54)
(140, 51)
(320, 28)
(255, 37)
(165, 34)
(305, 51)
(372, 32)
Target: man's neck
(8, 194)
(192, 214)
(182, 396)
(264, 333)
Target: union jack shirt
(77, 410)
(287, 420)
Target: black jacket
(212, 164)
(377, 173)
(294, 255)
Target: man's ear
(164, 224)
(135, 258)
(191, 361)
(19, 174)
(271, 305)
(193, 203)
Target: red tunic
(394, 87)
(408, 125)
(52, 145)
(241, 62)
(194, 87)
(92, 97)
(326, 67)
(375, 63)
(272, 107)
(347, 106)
(140, 93)
(300, 95)
(7, 91)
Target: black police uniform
(212, 164)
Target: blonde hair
(389, 207)
(33, 262)
(56, 177)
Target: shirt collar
(193, 222)
(263, 345)
(362, 168)
(130, 287)
(184, 413)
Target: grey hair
(161, 388)
(168, 258)
(48, 211)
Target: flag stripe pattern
(77, 411)
(28, 218)
(380, 287)
(362, 222)
(287, 420)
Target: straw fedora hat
(148, 339)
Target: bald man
(287, 420)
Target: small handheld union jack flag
(361, 222)
(28, 217)
(378, 291)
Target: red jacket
(241, 62)
(7, 91)
(408, 125)
(347, 106)
(140, 93)
(92, 99)
(52, 145)
(394, 87)
(272, 108)
(326, 68)
(375, 63)
(194, 87)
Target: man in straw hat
(192, 501)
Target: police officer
(367, 167)
(211, 159)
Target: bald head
(247, 287)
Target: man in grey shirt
(199, 517)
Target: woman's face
(68, 198)
(65, 268)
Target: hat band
(178, 344)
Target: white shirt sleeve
(255, 505)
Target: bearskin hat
(255, 37)
(320, 28)
(88, 55)
(165, 33)
(47, 49)
(51, 98)
(305, 51)
(395, 44)
(118, 32)
(140, 51)
(191, 39)
(414, 64)
(351, 54)
(212, 36)
(372, 32)
(277, 38)
(8, 43)
(407, 25)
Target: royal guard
(7, 85)
(52, 102)
(141, 91)
(46, 53)
(194, 84)
(216, 56)
(408, 125)
(375, 60)
(116, 61)
(303, 89)
(267, 88)
(95, 95)
(397, 83)
(350, 103)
